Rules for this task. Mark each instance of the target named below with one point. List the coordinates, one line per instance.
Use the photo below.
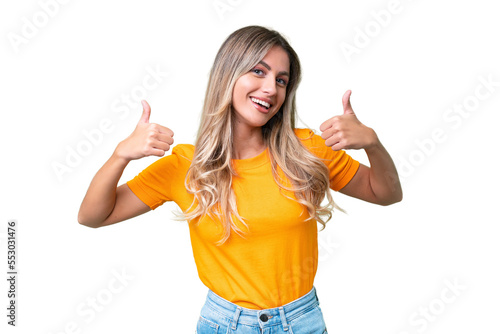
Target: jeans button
(263, 317)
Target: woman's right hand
(147, 139)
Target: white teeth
(265, 104)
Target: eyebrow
(269, 68)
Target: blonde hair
(210, 175)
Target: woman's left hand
(346, 131)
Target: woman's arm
(378, 183)
(104, 203)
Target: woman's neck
(248, 144)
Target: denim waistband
(263, 318)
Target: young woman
(251, 187)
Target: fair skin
(266, 82)
(379, 183)
(105, 203)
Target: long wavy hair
(210, 175)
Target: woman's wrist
(119, 159)
(373, 142)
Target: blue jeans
(303, 315)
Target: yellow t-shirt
(276, 261)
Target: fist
(346, 131)
(147, 138)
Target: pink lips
(259, 107)
(263, 99)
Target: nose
(269, 85)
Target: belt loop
(235, 318)
(283, 319)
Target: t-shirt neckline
(254, 162)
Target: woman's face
(259, 94)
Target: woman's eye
(282, 81)
(257, 71)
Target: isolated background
(381, 268)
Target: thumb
(347, 103)
(146, 112)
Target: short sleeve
(163, 180)
(341, 165)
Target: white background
(381, 268)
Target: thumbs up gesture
(147, 139)
(346, 131)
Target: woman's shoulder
(311, 140)
(179, 158)
(304, 134)
(185, 151)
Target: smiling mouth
(261, 103)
